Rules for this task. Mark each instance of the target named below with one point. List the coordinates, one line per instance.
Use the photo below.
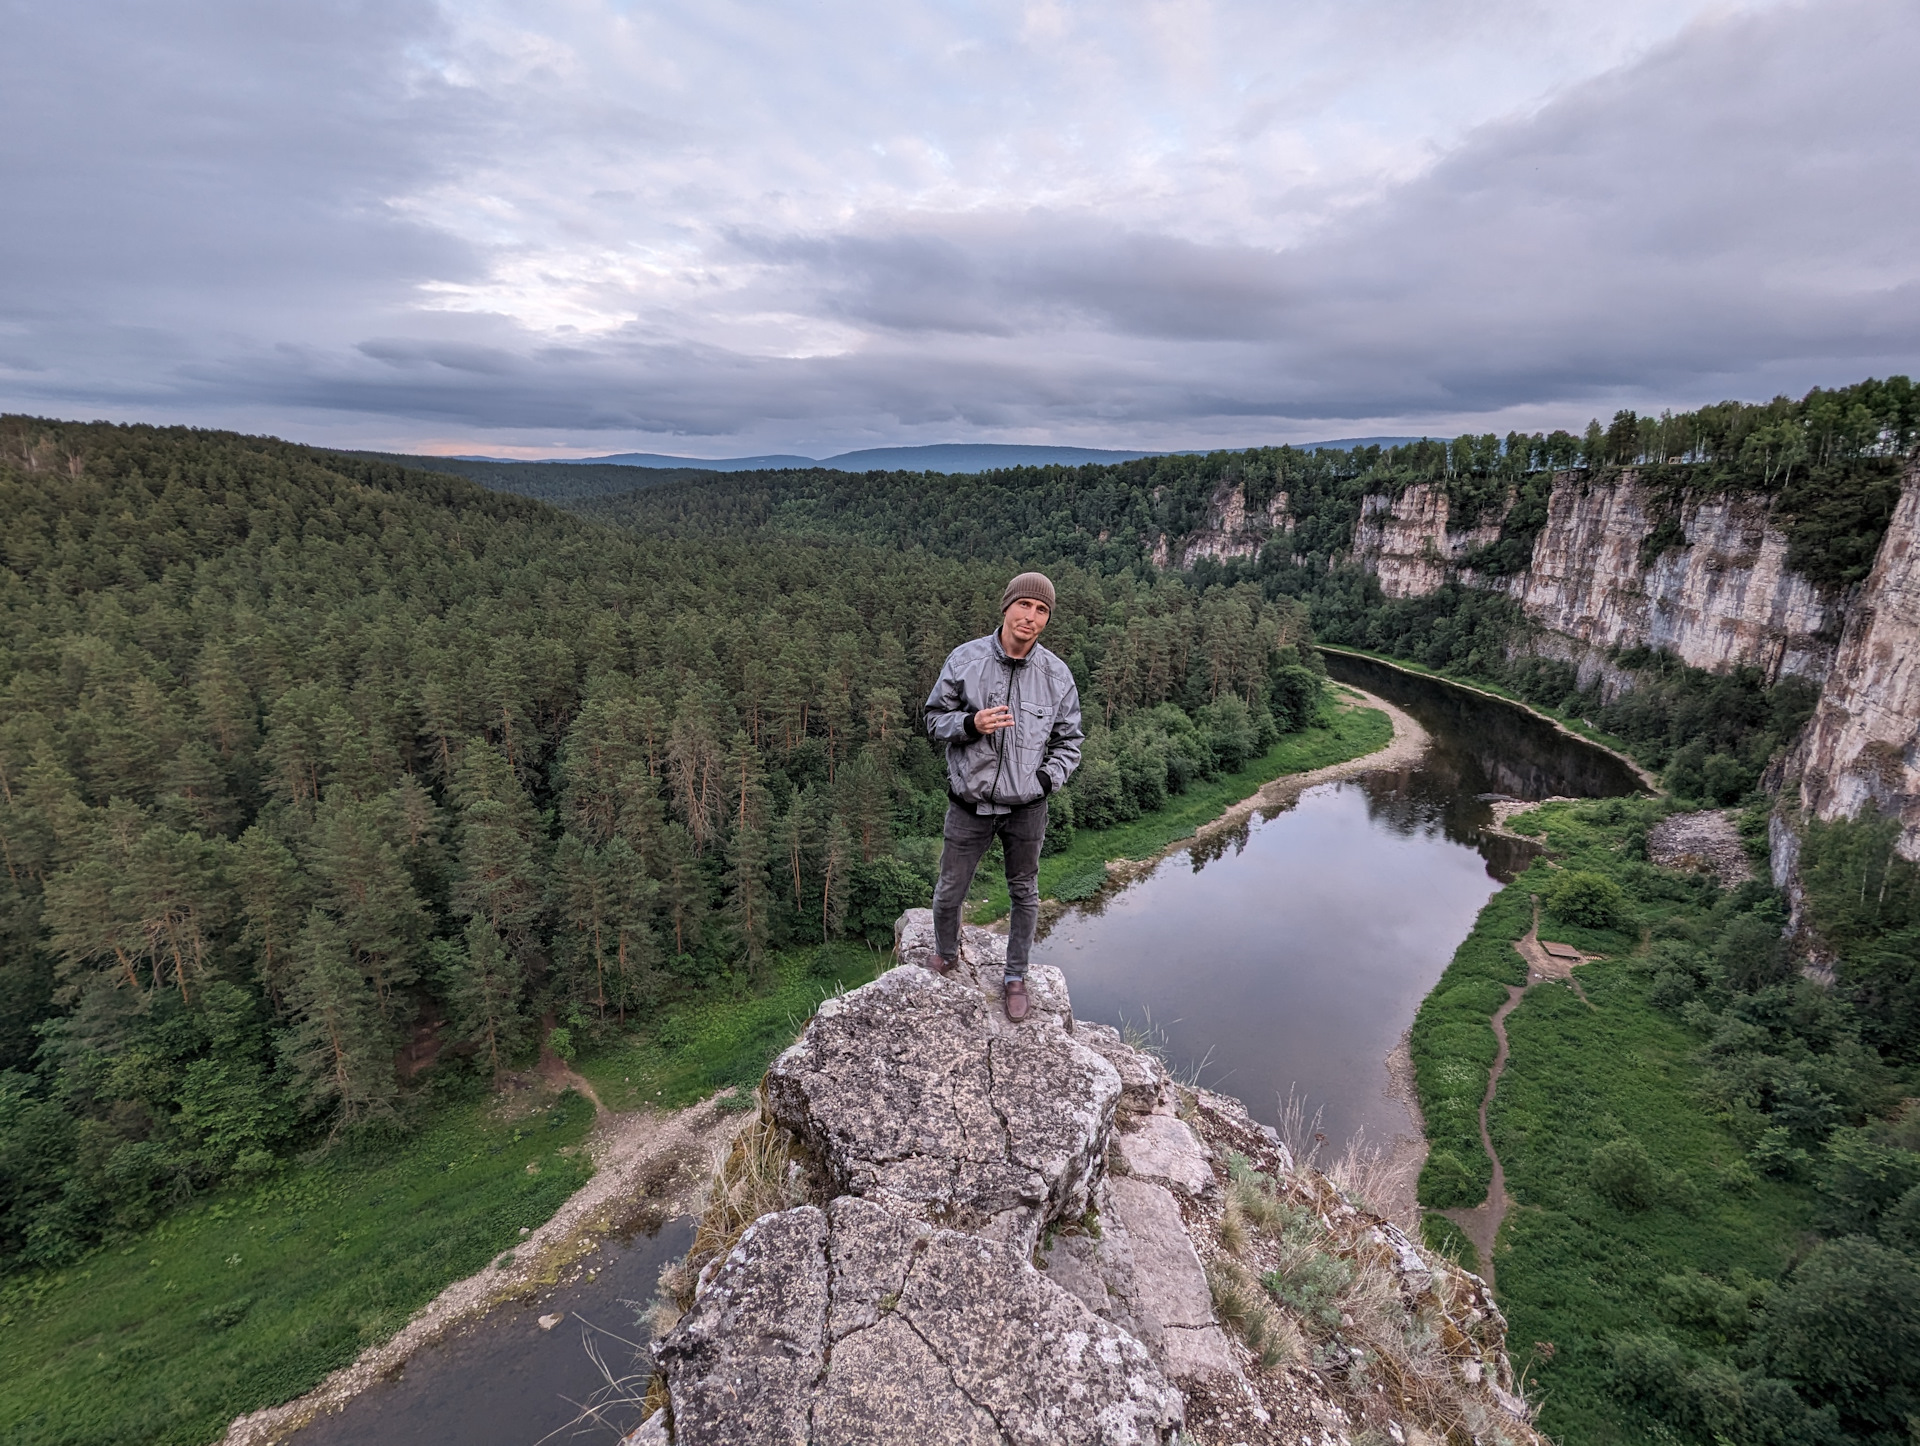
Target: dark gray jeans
(967, 837)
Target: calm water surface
(1290, 954)
(502, 1381)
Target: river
(1290, 953)
(1287, 953)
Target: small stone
(1164, 1148)
(548, 1322)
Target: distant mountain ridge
(948, 457)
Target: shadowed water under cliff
(1290, 953)
(502, 1381)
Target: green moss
(251, 1297)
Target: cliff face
(1230, 529)
(1406, 541)
(1863, 746)
(1723, 599)
(999, 1235)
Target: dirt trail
(1482, 1223)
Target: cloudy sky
(716, 228)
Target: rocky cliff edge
(986, 1233)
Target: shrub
(1622, 1174)
(1845, 1328)
(1448, 1184)
(1311, 1283)
(1862, 1179)
(1590, 900)
(882, 890)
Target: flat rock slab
(1161, 1147)
(1170, 1297)
(853, 1325)
(914, 1091)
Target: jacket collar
(1004, 656)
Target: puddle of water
(1291, 954)
(502, 1381)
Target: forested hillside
(1832, 459)
(321, 779)
(548, 481)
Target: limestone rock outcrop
(918, 1093)
(1725, 597)
(1408, 541)
(854, 1324)
(1231, 528)
(1862, 749)
(1000, 1235)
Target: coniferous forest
(314, 770)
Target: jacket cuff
(973, 731)
(1046, 783)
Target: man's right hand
(992, 720)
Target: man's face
(1026, 618)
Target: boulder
(853, 1324)
(915, 1091)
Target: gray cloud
(238, 217)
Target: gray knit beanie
(1028, 584)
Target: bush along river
(1287, 954)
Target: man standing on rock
(1009, 713)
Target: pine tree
(370, 891)
(484, 983)
(340, 1049)
(274, 896)
(632, 898)
(683, 887)
(749, 903)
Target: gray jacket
(995, 773)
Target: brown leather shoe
(940, 964)
(1013, 998)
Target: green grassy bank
(250, 1297)
(1076, 871)
(704, 1044)
(1677, 1146)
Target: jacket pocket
(1033, 726)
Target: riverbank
(1357, 734)
(649, 1167)
(1553, 1064)
(256, 1293)
(1606, 743)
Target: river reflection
(1291, 952)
